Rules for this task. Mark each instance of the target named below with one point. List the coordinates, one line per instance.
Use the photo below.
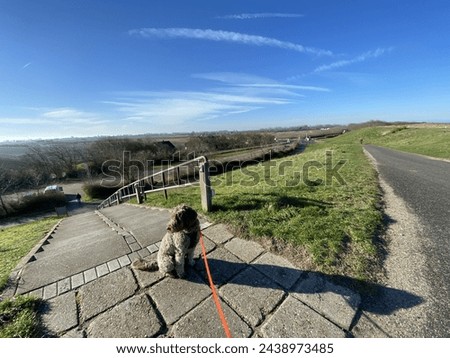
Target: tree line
(48, 163)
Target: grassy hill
(320, 208)
(427, 139)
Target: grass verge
(19, 318)
(17, 241)
(320, 208)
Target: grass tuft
(19, 318)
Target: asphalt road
(424, 184)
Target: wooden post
(205, 187)
(152, 183)
(178, 176)
(137, 189)
(164, 184)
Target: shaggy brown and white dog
(183, 234)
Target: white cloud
(256, 82)
(173, 110)
(55, 117)
(262, 15)
(168, 111)
(26, 65)
(225, 36)
(283, 86)
(361, 58)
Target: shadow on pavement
(375, 298)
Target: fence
(192, 172)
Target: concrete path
(83, 273)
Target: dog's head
(183, 218)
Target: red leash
(213, 289)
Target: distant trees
(47, 162)
(54, 161)
(7, 181)
(215, 143)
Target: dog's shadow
(375, 298)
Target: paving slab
(252, 295)
(176, 297)
(75, 333)
(218, 233)
(113, 265)
(203, 322)
(293, 319)
(337, 303)
(105, 292)
(64, 286)
(222, 264)
(60, 313)
(209, 246)
(77, 280)
(102, 270)
(133, 318)
(278, 269)
(244, 249)
(50, 291)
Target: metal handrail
(135, 189)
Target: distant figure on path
(361, 140)
(79, 198)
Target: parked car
(53, 189)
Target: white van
(53, 189)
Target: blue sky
(90, 67)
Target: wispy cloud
(225, 36)
(186, 110)
(261, 15)
(26, 65)
(55, 117)
(256, 82)
(361, 58)
(71, 116)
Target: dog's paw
(139, 264)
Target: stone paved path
(82, 270)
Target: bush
(398, 129)
(98, 191)
(42, 202)
(29, 204)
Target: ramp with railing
(191, 172)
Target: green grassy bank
(17, 241)
(320, 207)
(426, 139)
